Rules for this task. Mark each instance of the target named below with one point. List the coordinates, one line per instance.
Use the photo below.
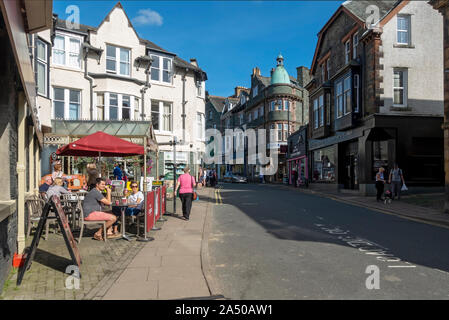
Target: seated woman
(135, 203)
(57, 189)
(92, 208)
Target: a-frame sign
(55, 204)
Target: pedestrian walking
(395, 178)
(186, 183)
(380, 183)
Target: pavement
(174, 265)
(396, 207)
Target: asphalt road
(268, 242)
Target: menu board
(55, 204)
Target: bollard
(161, 206)
(156, 204)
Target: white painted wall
(117, 31)
(423, 61)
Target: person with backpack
(185, 185)
(395, 179)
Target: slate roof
(358, 8)
(61, 24)
(217, 102)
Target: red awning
(109, 146)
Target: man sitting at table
(135, 203)
(43, 188)
(92, 208)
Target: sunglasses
(134, 186)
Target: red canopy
(92, 145)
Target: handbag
(195, 195)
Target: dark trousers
(186, 199)
(396, 189)
(380, 189)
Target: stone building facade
(369, 87)
(20, 125)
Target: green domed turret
(280, 75)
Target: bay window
(286, 105)
(348, 96)
(315, 114)
(126, 108)
(113, 106)
(355, 42)
(321, 110)
(100, 106)
(279, 105)
(279, 131)
(137, 114)
(66, 103)
(272, 105)
(286, 131)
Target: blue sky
(228, 38)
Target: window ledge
(163, 133)
(162, 84)
(399, 45)
(7, 208)
(66, 68)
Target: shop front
(298, 164)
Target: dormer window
(255, 91)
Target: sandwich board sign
(53, 204)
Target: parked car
(230, 177)
(239, 179)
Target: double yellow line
(218, 199)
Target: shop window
(380, 156)
(324, 165)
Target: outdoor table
(73, 204)
(123, 208)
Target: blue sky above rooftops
(228, 38)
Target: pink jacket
(186, 183)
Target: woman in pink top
(186, 183)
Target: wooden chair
(35, 206)
(83, 222)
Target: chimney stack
(256, 71)
(303, 75)
(194, 62)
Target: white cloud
(148, 17)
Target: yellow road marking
(218, 199)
